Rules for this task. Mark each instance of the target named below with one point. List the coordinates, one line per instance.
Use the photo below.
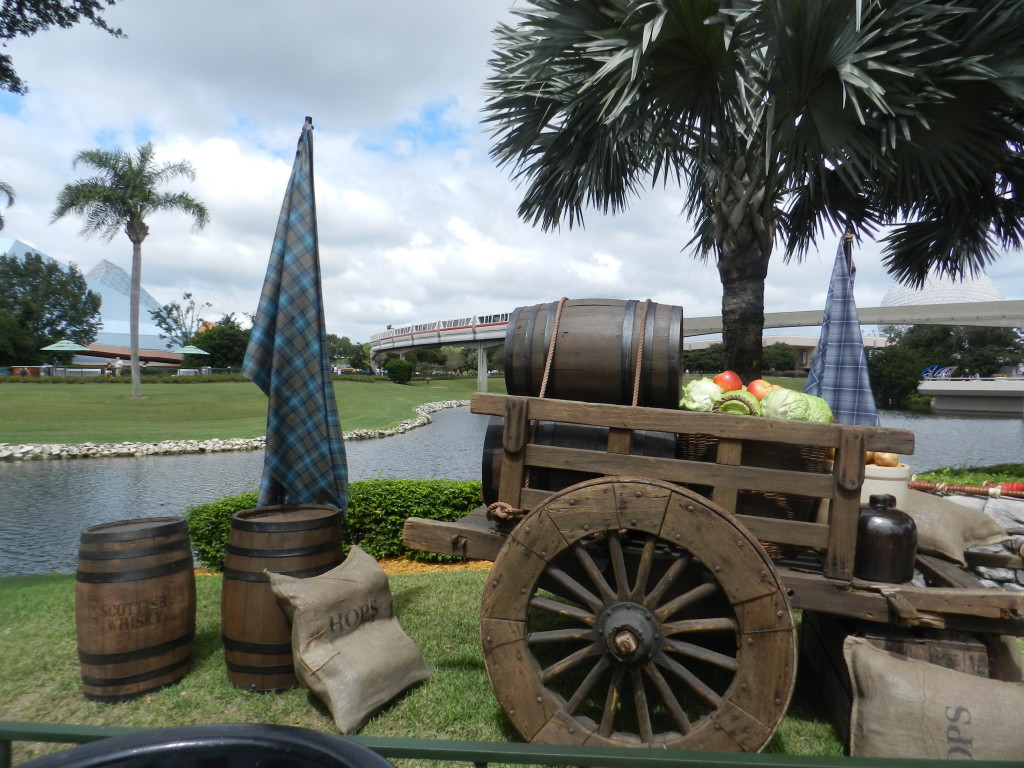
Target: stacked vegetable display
(725, 393)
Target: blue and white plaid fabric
(839, 371)
(287, 358)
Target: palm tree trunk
(743, 268)
(133, 316)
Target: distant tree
(710, 360)
(225, 342)
(894, 373)
(42, 303)
(120, 199)
(179, 322)
(973, 349)
(6, 190)
(339, 347)
(360, 357)
(780, 356)
(454, 358)
(26, 17)
(18, 345)
(430, 356)
(400, 371)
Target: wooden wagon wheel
(627, 611)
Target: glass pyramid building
(113, 284)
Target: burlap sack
(945, 529)
(908, 708)
(349, 648)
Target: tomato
(728, 381)
(759, 388)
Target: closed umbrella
(839, 371)
(287, 357)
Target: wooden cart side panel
(899, 441)
(730, 474)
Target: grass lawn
(438, 610)
(107, 413)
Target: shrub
(209, 525)
(400, 371)
(377, 511)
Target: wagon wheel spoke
(560, 635)
(671, 702)
(703, 654)
(667, 580)
(576, 590)
(611, 702)
(722, 624)
(688, 598)
(563, 609)
(699, 686)
(643, 714)
(596, 577)
(570, 661)
(587, 685)
(643, 570)
(618, 565)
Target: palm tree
(120, 197)
(781, 119)
(6, 190)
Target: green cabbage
(730, 403)
(819, 410)
(795, 406)
(700, 395)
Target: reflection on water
(44, 505)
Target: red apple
(728, 381)
(758, 388)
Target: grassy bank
(439, 611)
(100, 413)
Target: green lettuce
(795, 406)
(700, 395)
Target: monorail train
(455, 331)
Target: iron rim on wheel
(628, 611)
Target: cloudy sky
(416, 222)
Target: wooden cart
(642, 607)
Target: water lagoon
(46, 504)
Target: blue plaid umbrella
(287, 357)
(839, 371)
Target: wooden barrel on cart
(135, 606)
(298, 540)
(596, 350)
(660, 445)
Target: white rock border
(33, 452)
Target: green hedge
(377, 510)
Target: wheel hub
(630, 632)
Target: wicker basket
(697, 447)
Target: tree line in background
(896, 369)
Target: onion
(886, 459)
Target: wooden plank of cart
(652, 605)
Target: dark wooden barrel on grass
(298, 540)
(135, 606)
(596, 350)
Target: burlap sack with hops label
(349, 648)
